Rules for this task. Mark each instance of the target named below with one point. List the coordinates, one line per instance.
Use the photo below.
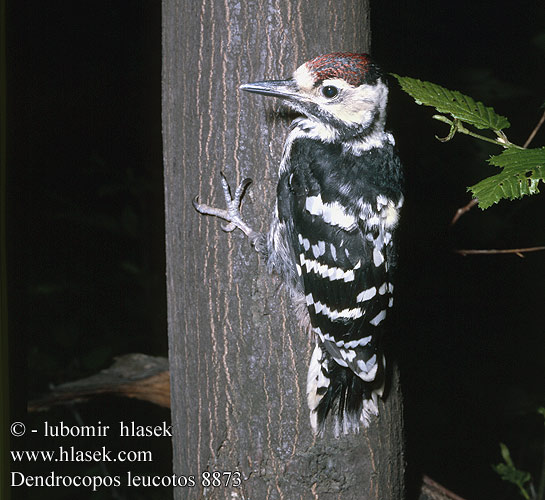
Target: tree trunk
(238, 360)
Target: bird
(333, 231)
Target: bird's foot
(232, 213)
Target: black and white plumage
(332, 237)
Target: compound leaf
(523, 169)
(454, 103)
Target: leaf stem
(457, 126)
(541, 487)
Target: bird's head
(343, 91)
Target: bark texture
(238, 360)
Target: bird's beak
(284, 89)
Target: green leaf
(506, 455)
(508, 472)
(454, 103)
(523, 169)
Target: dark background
(471, 338)
(86, 234)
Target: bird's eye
(330, 91)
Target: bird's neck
(356, 142)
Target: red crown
(350, 67)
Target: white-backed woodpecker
(332, 237)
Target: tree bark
(238, 360)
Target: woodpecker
(332, 236)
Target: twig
(534, 132)
(492, 251)
(462, 210)
(466, 208)
(437, 491)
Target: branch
(534, 132)
(132, 375)
(462, 210)
(432, 490)
(493, 251)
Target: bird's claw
(228, 227)
(232, 213)
(234, 203)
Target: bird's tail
(335, 389)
